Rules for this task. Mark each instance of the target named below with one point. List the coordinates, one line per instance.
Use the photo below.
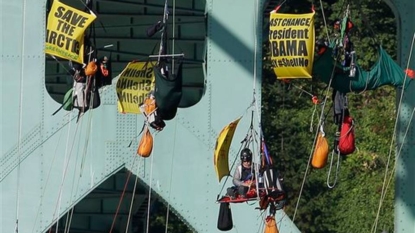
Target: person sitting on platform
(243, 177)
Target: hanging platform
(272, 196)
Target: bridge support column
(405, 137)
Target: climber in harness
(343, 50)
(167, 72)
(244, 176)
(344, 138)
(149, 110)
(321, 46)
(274, 195)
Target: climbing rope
(244, 144)
(247, 139)
(76, 177)
(90, 81)
(325, 22)
(48, 176)
(314, 142)
(173, 33)
(383, 193)
(122, 196)
(175, 127)
(312, 116)
(149, 191)
(69, 155)
(133, 195)
(336, 150)
(64, 173)
(171, 175)
(162, 45)
(255, 166)
(331, 166)
(89, 122)
(262, 224)
(19, 134)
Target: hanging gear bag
(347, 138)
(321, 151)
(225, 222)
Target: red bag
(347, 139)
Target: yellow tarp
(292, 46)
(65, 32)
(135, 82)
(223, 143)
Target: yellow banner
(65, 32)
(223, 143)
(292, 41)
(135, 82)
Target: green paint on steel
(405, 172)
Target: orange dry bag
(91, 68)
(146, 144)
(321, 151)
(270, 225)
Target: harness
(246, 173)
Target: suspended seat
(251, 195)
(277, 197)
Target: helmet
(246, 155)
(321, 46)
(336, 24)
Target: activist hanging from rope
(245, 183)
(155, 90)
(85, 91)
(65, 39)
(88, 72)
(275, 195)
(159, 96)
(252, 180)
(339, 55)
(168, 72)
(344, 138)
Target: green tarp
(68, 100)
(385, 72)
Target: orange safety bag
(321, 151)
(271, 225)
(91, 68)
(145, 147)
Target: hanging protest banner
(292, 41)
(65, 31)
(134, 84)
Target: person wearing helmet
(321, 46)
(243, 176)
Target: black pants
(235, 190)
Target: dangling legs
(242, 190)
